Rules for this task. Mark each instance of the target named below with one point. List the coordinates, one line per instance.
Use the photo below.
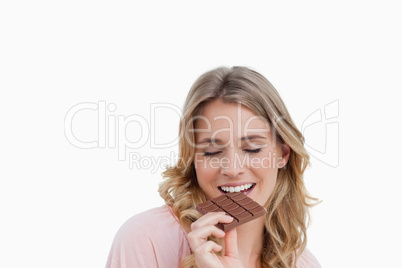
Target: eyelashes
(211, 153)
(251, 151)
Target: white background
(60, 206)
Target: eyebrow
(217, 141)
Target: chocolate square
(241, 207)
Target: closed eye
(253, 151)
(211, 153)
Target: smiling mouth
(245, 188)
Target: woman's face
(236, 150)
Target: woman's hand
(204, 250)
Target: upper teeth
(236, 189)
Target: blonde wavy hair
(288, 206)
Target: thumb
(231, 249)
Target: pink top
(155, 238)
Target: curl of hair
(288, 206)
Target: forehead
(235, 117)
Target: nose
(233, 164)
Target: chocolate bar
(241, 207)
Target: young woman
(236, 135)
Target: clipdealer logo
(112, 130)
(321, 131)
(320, 128)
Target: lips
(243, 188)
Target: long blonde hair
(288, 215)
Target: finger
(202, 228)
(207, 248)
(231, 249)
(211, 218)
(205, 231)
(200, 235)
(205, 254)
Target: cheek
(271, 182)
(204, 173)
(265, 160)
(267, 178)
